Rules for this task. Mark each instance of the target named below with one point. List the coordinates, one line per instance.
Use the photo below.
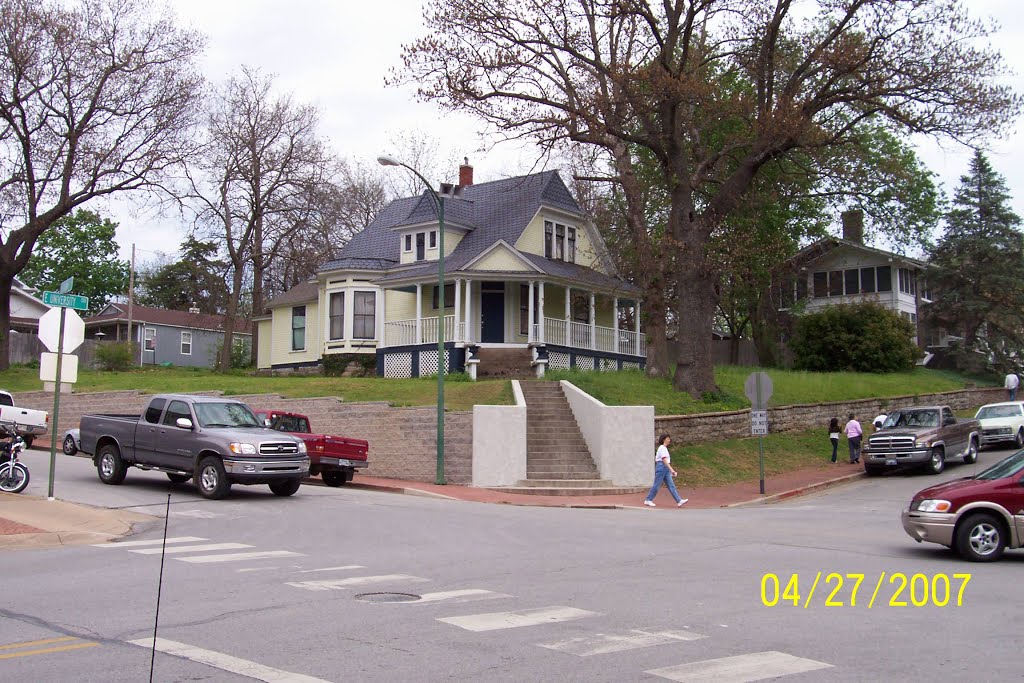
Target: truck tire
(211, 479)
(335, 478)
(178, 478)
(110, 466)
(971, 456)
(937, 462)
(286, 487)
(980, 538)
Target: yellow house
(525, 271)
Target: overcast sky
(336, 55)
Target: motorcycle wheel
(13, 480)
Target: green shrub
(336, 363)
(863, 337)
(115, 356)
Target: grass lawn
(728, 462)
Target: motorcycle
(13, 473)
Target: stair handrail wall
(499, 442)
(620, 438)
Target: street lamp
(438, 197)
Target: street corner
(28, 522)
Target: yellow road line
(30, 643)
(47, 650)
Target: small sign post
(73, 328)
(758, 389)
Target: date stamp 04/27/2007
(846, 590)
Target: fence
(26, 348)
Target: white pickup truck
(27, 423)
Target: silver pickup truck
(216, 441)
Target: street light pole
(439, 205)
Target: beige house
(525, 271)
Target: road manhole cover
(388, 597)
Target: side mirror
(183, 423)
(266, 423)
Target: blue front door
(492, 312)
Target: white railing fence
(403, 332)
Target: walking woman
(663, 472)
(833, 436)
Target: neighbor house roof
(161, 316)
(820, 248)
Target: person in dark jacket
(833, 436)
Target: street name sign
(75, 301)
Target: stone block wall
(701, 428)
(402, 440)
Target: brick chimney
(853, 226)
(465, 173)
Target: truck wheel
(334, 479)
(286, 487)
(110, 465)
(938, 461)
(980, 538)
(178, 478)
(211, 480)
(971, 456)
(872, 471)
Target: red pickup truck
(334, 458)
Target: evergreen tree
(975, 275)
(196, 279)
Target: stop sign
(49, 329)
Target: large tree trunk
(6, 284)
(229, 320)
(654, 328)
(696, 301)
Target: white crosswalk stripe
(756, 666)
(140, 544)
(224, 662)
(237, 557)
(191, 548)
(460, 595)
(354, 582)
(603, 643)
(531, 617)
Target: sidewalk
(29, 522)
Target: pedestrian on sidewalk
(854, 433)
(833, 436)
(663, 472)
(1011, 383)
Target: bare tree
(97, 97)
(262, 164)
(712, 90)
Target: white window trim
(292, 328)
(350, 312)
(182, 347)
(146, 337)
(344, 312)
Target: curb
(793, 493)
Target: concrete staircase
(558, 462)
(507, 363)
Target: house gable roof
(500, 252)
(117, 312)
(827, 245)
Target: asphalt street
(257, 587)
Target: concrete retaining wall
(620, 438)
(403, 441)
(692, 429)
(499, 442)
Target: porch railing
(403, 332)
(557, 331)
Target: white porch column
(381, 312)
(419, 314)
(458, 310)
(615, 322)
(568, 307)
(529, 314)
(469, 310)
(593, 323)
(636, 325)
(540, 314)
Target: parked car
(334, 458)
(26, 422)
(974, 516)
(216, 441)
(1002, 422)
(921, 437)
(72, 441)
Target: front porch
(510, 315)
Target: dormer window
(408, 243)
(421, 246)
(433, 239)
(559, 242)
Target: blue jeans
(662, 474)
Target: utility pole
(131, 301)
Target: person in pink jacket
(854, 434)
